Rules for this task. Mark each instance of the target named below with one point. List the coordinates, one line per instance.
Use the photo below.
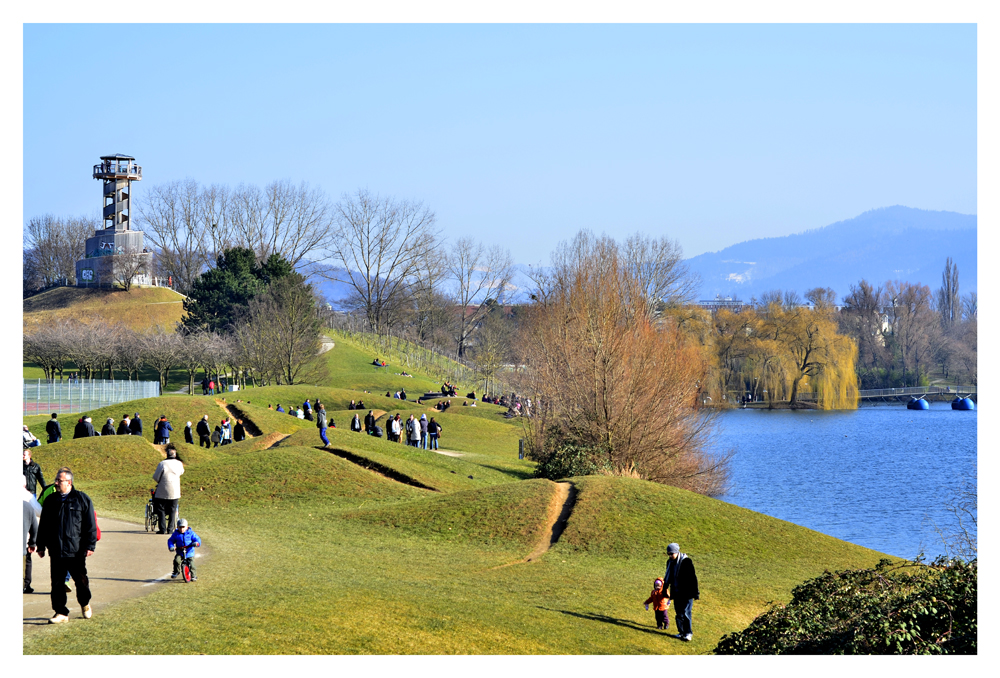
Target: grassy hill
(372, 547)
(139, 308)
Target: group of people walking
(224, 433)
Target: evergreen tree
(221, 294)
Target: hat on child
(673, 548)
(182, 522)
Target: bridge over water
(906, 393)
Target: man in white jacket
(168, 489)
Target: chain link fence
(44, 396)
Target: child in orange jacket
(660, 602)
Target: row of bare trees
(385, 251)
(189, 224)
(268, 345)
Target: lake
(879, 476)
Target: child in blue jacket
(183, 540)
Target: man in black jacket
(84, 429)
(204, 433)
(53, 429)
(135, 426)
(32, 473)
(68, 531)
(683, 584)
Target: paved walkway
(128, 562)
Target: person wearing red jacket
(658, 597)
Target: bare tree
(970, 306)
(910, 315)
(658, 266)
(605, 380)
(48, 346)
(53, 246)
(478, 274)
(299, 221)
(162, 350)
(431, 307)
(863, 319)
(217, 354)
(87, 347)
(948, 301)
(128, 266)
(192, 355)
(130, 352)
(376, 246)
(286, 317)
(493, 347)
(170, 216)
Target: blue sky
(521, 134)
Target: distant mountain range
(882, 244)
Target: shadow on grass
(526, 474)
(611, 620)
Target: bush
(903, 608)
(570, 460)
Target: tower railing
(117, 168)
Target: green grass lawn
(372, 547)
(313, 553)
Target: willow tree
(813, 354)
(608, 383)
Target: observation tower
(116, 252)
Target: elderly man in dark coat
(68, 531)
(682, 581)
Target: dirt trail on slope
(128, 562)
(558, 514)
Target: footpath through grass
(320, 551)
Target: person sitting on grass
(29, 438)
(183, 542)
(109, 428)
(279, 408)
(658, 597)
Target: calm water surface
(878, 476)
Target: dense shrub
(570, 460)
(903, 608)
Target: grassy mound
(178, 409)
(138, 309)
(437, 471)
(100, 458)
(513, 513)
(350, 366)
